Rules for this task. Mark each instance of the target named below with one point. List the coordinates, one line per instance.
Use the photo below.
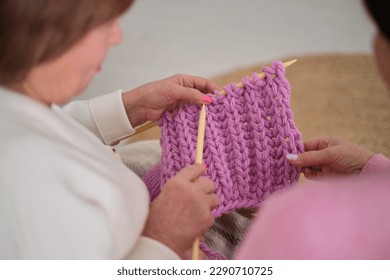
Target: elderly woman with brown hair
(63, 194)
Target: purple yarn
(248, 134)
(210, 253)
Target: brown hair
(36, 31)
(380, 15)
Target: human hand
(182, 211)
(149, 101)
(331, 156)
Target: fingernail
(207, 99)
(204, 165)
(292, 157)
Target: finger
(192, 95)
(199, 83)
(311, 158)
(206, 185)
(309, 174)
(316, 144)
(213, 201)
(312, 174)
(210, 222)
(192, 172)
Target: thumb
(311, 158)
(192, 172)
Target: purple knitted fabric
(248, 134)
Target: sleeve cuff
(150, 249)
(376, 164)
(110, 117)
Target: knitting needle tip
(288, 63)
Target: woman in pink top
(336, 216)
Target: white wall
(210, 37)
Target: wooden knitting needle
(199, 159)
(200, 139)
(239, 85)
(261, 75)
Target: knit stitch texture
(248, 134)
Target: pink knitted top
(248, 133)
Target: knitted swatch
(248, 134)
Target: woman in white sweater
(63, 192)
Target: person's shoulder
(345, 218)
(353, 192)
(336, 204)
